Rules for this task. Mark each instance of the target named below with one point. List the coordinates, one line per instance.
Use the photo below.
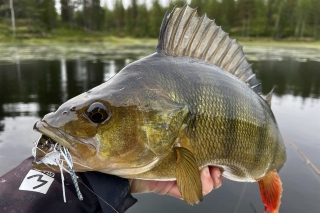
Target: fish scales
(193, 103)
(221, 126)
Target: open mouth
(49, 153)
(49, 148)
(53, 143)
(45, 147)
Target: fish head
(120, 127)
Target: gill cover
(142, 128)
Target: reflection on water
(290, 77)
(29, 89)
(42, 86)
(38, 87)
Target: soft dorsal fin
(184, 33)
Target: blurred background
(272, 19)
(51, 51)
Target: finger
(167, 187)
(216, 175)
(160, 187)
(211, 178)
(139, 186)
(207, 180)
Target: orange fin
(271, 190)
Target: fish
(193, 103)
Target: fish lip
(55, 134)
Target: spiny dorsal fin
(184, 33)
(249, 79)
(269, 97)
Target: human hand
(211, 178)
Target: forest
(275, 19)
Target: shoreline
(128, 41)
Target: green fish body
(226, 123)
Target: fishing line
(33, 140)
(35, 147)
(98, 196)
(302, 155)
(240, 198)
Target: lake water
(35, 80)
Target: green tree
(156, 15)
(91, 17)
(142, 25)
(246, 12)
(178, 3)
(274, 15)
(48, 14)
(260, 21)
(302, 15)
(201, 6)
(281, 16)
(213, 10)
(64, 10)
(287, 24)
(97, 17)
(67, 12)
(315, 14)
(227, 14)
(29, 10)
(109, 24)
(131, 17)
(270, 12)
(119, 15)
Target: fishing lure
(56, 157)
(67, 157)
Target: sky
(110, 3)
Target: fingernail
(219, 183)
(216, 181)
(206, 172)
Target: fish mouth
(54, 135)
(47, 149)
(45, 145)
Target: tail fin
(271, 190)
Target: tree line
(276, 19)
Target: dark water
(31, 87)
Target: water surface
(35, 80)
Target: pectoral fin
(271, 190)
(188, 176)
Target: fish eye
(97, 112)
